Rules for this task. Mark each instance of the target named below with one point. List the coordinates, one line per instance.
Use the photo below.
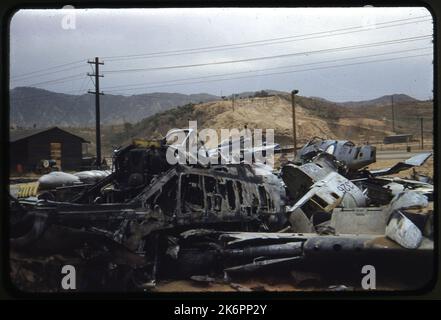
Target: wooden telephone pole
(393, 114)
(294, 133)
(97, 94)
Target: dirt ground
(243, 286)
(264, 284)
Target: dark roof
(400, 135)
(23, 134)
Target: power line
(170, 82)
(242, 44)
(361, 46)
(267, 69)
(47, 68)
(265, 41)
(59, 80)
(91, 78)
(78, 76)
(46, 73)
(74, 77)
(82, 85)
(279, 73)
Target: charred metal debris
(146, 220)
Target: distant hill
(42, 108)
(384, 100)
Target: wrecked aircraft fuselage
(132, 215)
(352, 156)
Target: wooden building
(398, 138)
(29, 147)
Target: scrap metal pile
(147, 220)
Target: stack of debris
(149, 220)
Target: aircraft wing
(415, 161)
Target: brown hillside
(315, 117)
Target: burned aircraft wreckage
(148, 220)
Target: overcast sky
(285, 48)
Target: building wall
(38, 148)
(397, 139)
(18, 154)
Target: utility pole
(97, 94)
(422, 133)
(393, 113)
(233, 101)
(294, 134)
